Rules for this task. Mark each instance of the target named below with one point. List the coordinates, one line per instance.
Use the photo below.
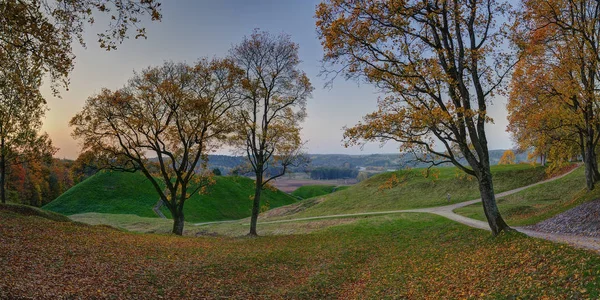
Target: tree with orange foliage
(507, 158)
(554, 94)
(22, 108)
(163, 123)
(439, 64)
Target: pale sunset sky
(192, 29)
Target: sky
(191, 29)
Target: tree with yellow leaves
(164, 123)
(274, 93)
(558, 78)
(507, 158)
(438, 62)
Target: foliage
(408, 256)
(131, 193)
(44, 30)
(176, 114)
(38, 182)
(22, 108)
(439, 64)
(554, 96)
(508, 158)
(274, 92)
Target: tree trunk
(488, 199)
(2, 172)
(256, 205)
(590, 166)
(178, 221)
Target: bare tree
(274, 92)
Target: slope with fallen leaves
(414, 256)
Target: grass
(132, 193)
(539, 202)
(413, 190)
(309, 191)
(26, 210)
(417, 256)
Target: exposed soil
(582, 220)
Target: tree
(217, 172)
(274, 93)
(163, 123)
(45, 29)
(507, 158)
(439, 64)
(560, 39)
(21, 109)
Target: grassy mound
(309, 191)
(132, 193)
(539, 202)
(411, 189)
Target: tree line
(323, 173)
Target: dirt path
(447, 211)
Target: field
(289, 185)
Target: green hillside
(413, 190)
(132, 193)
(539, 202)
(309, 191)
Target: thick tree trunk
(256, 205)
(488, 199)
(178, 221)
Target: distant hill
(388, 161)
(132, 193)
(393, 161)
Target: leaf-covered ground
(412, 256)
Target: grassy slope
(540, 202)
(309, 191)
(127, 193)
(414, 190)
(416, 256)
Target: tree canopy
(439, 65)
(164, 123)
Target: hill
(411, 189)
(132, 193)
(392, 161)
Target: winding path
(447, 211)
